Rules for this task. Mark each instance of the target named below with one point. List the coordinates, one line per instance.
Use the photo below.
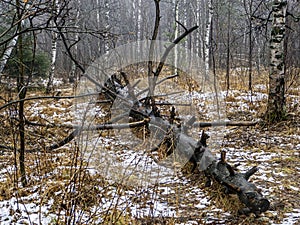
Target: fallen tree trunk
(146, 113)
(224, 173)
(215, 169)
(238, 183)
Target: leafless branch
(225, 123)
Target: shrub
(37, 65)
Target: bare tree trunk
(72, 76)
(54, 35)
(107, 15)
(185, 22)
(176, 11)
(198, 21)
(276, 101)
(53, 61)
(207, 40)
(151, 74)
(22, 94)
(250, 57)
(228, 46)
(139, 20)
(7, 53)
(98, 26)
(249, 11)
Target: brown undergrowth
(62, 181)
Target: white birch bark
(7, 53)
(53, 62)
(98, 25)
(107, 27)
(54, 37)
(207, 39)
(134, 8)
(185, 23)
(139, 24)
(198, 21)
(9, 49)
(176, 11)
(276, 101)
(139, 20)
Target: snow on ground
(15, 211)
(170, 194)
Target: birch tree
(139, 20)
(176, 12)
(7, 53)
(199, 42)
(207, 38)
(276, 101)
(54, 37)
(107, 26)
(98, 25)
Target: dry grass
(64, 178)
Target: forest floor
(63, 188)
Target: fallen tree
(145, 112)
(176, 141)
(220, 171)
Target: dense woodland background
(239, 34)
(251, 47)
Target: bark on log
(219, 170)
(222, 172)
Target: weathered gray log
(199, 154)
(222, 172)
(215, 169)
(195, 151)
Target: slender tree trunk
(250, 56)
(7, 53)
(54, 35)
(176, 11)
(53, 62)
(139, 20)
(250, 59)
(207, 40)
(198, 21)
(98, 27)
(107, 27)
(258, 54)
(276, 101)
(72, 76)
(185, 22)
(22, 94)
(228, 46)
(151, 74)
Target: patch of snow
(14, 211)
(203, 203)
(294, 188)
(56, 81)
(260, 87)
(292, 218)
